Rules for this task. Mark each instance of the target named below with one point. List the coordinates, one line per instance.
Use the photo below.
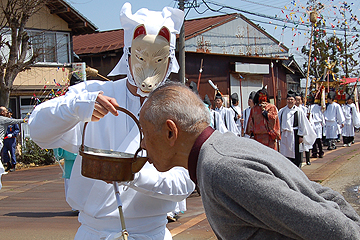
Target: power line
(282, 20)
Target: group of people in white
(303, 128)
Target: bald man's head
(3, 111)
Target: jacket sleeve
(55, 123)
(9, 121)
(173, 185)
(341, 203)
(250, 123)
(272, 111)
(274, 122)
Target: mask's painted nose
(147, 86)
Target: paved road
(33, 206)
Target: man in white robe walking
(235, 112)
(216, 121)
(351, 121)
(317, 121)
(300, 104)
(225, 115)
(295, 129)
(333, 116)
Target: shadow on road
(42, 214)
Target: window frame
(58, 48)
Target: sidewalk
(322, 168)
(33, 206)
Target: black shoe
(12, 169)
(308, 163)
(171, 219)
(8, 168)
(321, 155)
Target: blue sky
(105, 15)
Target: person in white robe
(246, 113)
(226, 115)
(333, 116)
(235, 113)
(317, 121)
(295, 129)
(59, 123)
(300, 104)
(216, 120)
(352, 121)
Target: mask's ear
(139, 30)
(164, 32)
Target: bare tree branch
(14, 14)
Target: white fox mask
(149, 58)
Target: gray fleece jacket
(4, 123)
(250, 191)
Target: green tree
(350, 54)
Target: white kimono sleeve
(305, 129)
(340, 119)
(355, 117)
(173, 185)
(55, 123)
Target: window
(52, 47)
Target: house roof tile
(98, 42)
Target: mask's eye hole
(159, 60)
(140, 58)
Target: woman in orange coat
(263, 124)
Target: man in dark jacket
(10, 144)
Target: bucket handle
(130, 115)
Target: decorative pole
(313, 19)
(200, 71)
(273, 81)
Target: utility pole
(182, 46)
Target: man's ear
(172, 132)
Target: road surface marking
(188, 224)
